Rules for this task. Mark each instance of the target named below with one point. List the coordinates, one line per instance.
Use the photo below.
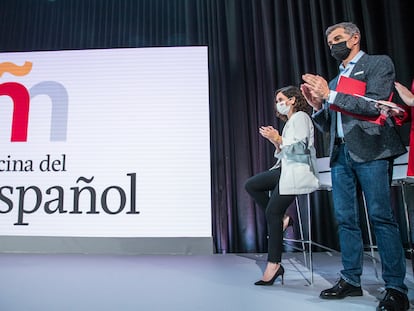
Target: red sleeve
(406, 117)
(410, 170)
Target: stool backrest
(399, 169)
(324, 171)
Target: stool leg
(310, 237)
(407, 223)
(371, 243)
(301, 231)
(308, 262)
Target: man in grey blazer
(361, 145)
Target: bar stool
(400, 179)
(325, 181)
(307, 243)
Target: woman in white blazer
(294, 172)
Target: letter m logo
(21, 98)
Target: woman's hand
(405, 94)
(271, 134)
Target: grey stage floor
(31, 282)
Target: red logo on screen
(21, 97)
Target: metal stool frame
(325, 184)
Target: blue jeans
(373, 178)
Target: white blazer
(298, 156)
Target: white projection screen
(105, 144)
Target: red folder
(352, 86)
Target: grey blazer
(366, 141)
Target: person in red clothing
(408, 98)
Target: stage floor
(39, 282)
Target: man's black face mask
(340, 51)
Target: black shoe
(394, 300)
(278, 272)
(341, 290)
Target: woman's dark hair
(300, 101)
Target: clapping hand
(271, 134)
(315, 90)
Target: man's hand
(315, 89)
(386, 110)
(314, 102)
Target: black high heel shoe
(279, 271)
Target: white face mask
(282, 108)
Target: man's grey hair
(349, 28)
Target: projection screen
(105, 143)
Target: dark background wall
(255, 47)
